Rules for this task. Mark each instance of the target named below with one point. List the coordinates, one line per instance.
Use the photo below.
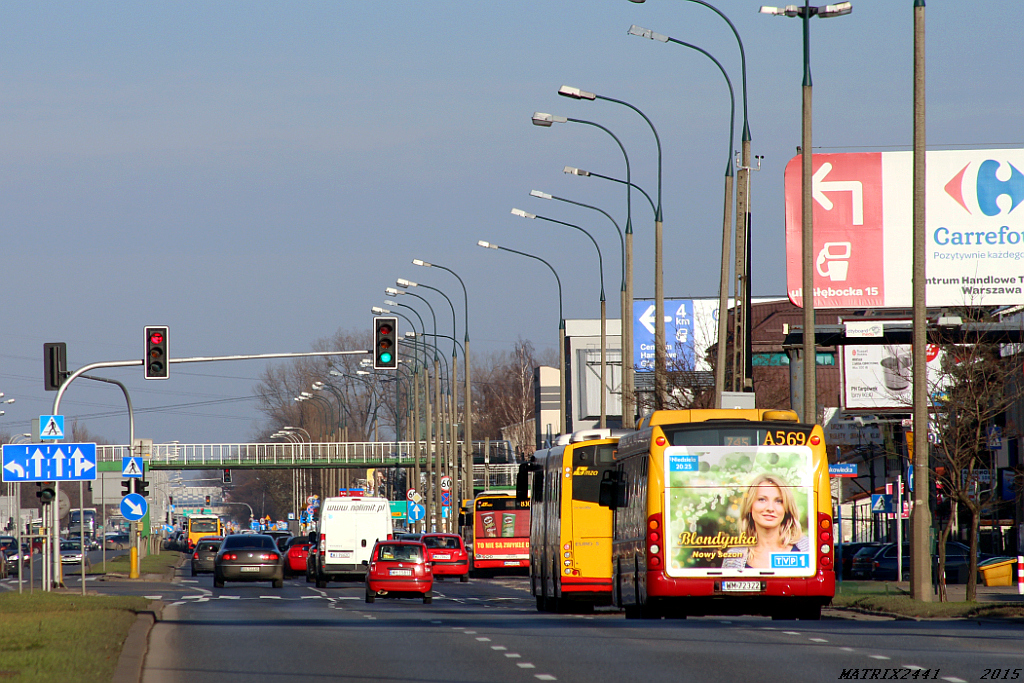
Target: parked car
(248, 557)
(9, 555)
(205, 553)
(881, 564)
(399, 569)
(851, 549)
(448, 555)
(296, 555)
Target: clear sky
(255, 174)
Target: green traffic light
(385, 357)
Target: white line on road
(818, 640)
(545, 677)
(270, 597)
(525, 665)
(175, 604)
(847, 649)
(152, 597)
(231, 597)
(794, 633)
(512, 655)
(878, 657)
(196, 597)
(483, 639)
(498, 647)
(953, 679)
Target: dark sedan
(248, 557)
(850, 550)
(880, 564)
(205, 554)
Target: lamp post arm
(657, 140)
(450, 304)
(465, 296)
(743, 63)
(622, 242)
(600, 261)
(558, 280)
(629, 184)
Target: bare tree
(504, 400)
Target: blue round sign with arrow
(416, 512)
(134, 507)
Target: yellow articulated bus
(570, 533)
(203, 525)
(721, 512)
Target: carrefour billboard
(863, 229)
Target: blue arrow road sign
(134, 507)
(679, 333)
(49, 462)
(416, 512)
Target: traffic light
(142, 488)
(207, 500)
(156, 362)
(127, 487)
(227, 475)
(385, 346)
(55, 365)
(170, 499)
(45, 494)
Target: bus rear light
(826, 536)
(660, 441)
(654, 550)
(825, 548)
(655, 561)
(826, 562)
(815, 440)
(566, 554)
(567, 546)
(568, 572)
(654, 536)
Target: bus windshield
(203, 526)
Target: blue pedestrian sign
(51, 426)
(134, 507)
(881, 503)
(416, 512)
(131, 467)
(49, 462)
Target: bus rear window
(588, 466)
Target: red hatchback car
(399, 569)
(295, 555)
(448, 555)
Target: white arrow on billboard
(38, 457)
(59, 458)
(16, 469)
(819, 187)
(81, 463)
(647, 318)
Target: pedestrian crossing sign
(131, 467)
(51, 426)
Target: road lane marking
(483, 639)
(878, 657)
(953, 679)
(512, 655)
(525, 665)
(152, 597)
(818, 640)
(191, 597)
(847, 649)
(175, 604)
(545, 677)
(498, 647)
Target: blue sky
(254, 174)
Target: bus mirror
(462, 519)
(523, 484)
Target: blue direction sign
(134, 507)
(49, 462)
(416, 512)
(131, 467)
(679, 325)
(881, 503)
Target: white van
(349, 527)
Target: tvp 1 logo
(988, 186)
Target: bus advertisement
(722, 512)
(501, 533)
(570, 533)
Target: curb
(133, 651)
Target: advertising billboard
(881, 376)
(739, 510)
(863, 229)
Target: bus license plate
(742, 586)
(401, 572)
(248, 569)
(446, 556)
(513, 563)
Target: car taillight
(270, 556)
(229, 556)
(195, 555)
(654, 550)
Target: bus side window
(614, 491)
(538, 486)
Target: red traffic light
(385, 329)
(156, 338)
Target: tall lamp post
(561, 330)
(604, 319)
(622, 288)
(628, 383)
(660, 385)
(810, 408)
(467, 474)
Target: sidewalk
(957, 592)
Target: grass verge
(154, 564)
(61, 637)
(890, 599)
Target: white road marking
(847, 649)
(791, 633)
(270, 597)
(818, 640)
(231, 597)
(878, 657)
(191, 597)
(525, 665)
(545, 677)
(175, 604)
(512, 655)
(469, 633)
(152, 597)
(953, 679)
(498, 647)
(196, 581)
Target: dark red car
(448, 555)
(296, 554)
(399, 569)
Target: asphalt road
(489, 631)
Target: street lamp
(660, 385)
(810, 407)
(628, 383)
(561, 330)
(604, 319)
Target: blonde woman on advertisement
(769, 512)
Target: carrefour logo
(989, 187)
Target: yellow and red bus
(198, 526)
(721, 512)
(570, 533)
(501, 533)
